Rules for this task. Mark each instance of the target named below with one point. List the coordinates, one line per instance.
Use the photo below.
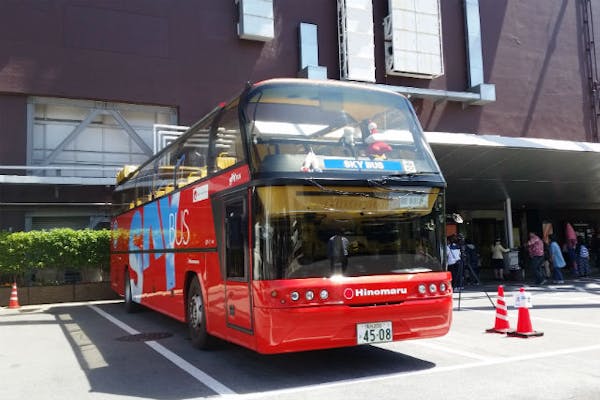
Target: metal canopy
(483, 170)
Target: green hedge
(58, 248)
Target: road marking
(556, 321)
(450, 350)
(434, 370)
(198, 374)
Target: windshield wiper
(408, 175)
(382, 180)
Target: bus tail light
(310, 295)
(295, 296)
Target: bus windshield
(302, 126)
(316, 231)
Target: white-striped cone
(14, 299)
(502, 325)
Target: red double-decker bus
(301, 215)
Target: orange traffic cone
(14, 299)
(524, 328)
(501, 325)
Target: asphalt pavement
(95, 350)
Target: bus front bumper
(281, 330)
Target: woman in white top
(498, 259)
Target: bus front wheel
(196, 317)
(130, 305)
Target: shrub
(58, 248)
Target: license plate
(374, 332)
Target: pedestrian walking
(583, 258)
(498, 252)
(556, 260)
(535, 247)
(472, 262)
(454, 262)
(547, 264)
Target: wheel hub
(195, 311)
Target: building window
(413, 35)
(256, 20)
(90, 139)
(356, 40)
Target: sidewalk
(524, 277)
(492, 285)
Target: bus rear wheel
(196, 317)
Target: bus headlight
(294, 296)
(310, 295)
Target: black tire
(130, 305)
(196, 317)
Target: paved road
(97, 351)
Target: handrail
(60, 167)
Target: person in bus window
(337, 251)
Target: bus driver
(337, 251)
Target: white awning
(483, 170)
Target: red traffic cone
(524, 328)
(501, 325)
(14, 299)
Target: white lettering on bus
(235, 177)
(374, 165)
(360, 164)
(179, 231)
(354, 164)
(362, 292)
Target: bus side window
(127, 195)
(143, 185)
(235, 222)
(164, 170)
(191, 164)
(229, 149)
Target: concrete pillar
(510, 240)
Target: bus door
(234, 258)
